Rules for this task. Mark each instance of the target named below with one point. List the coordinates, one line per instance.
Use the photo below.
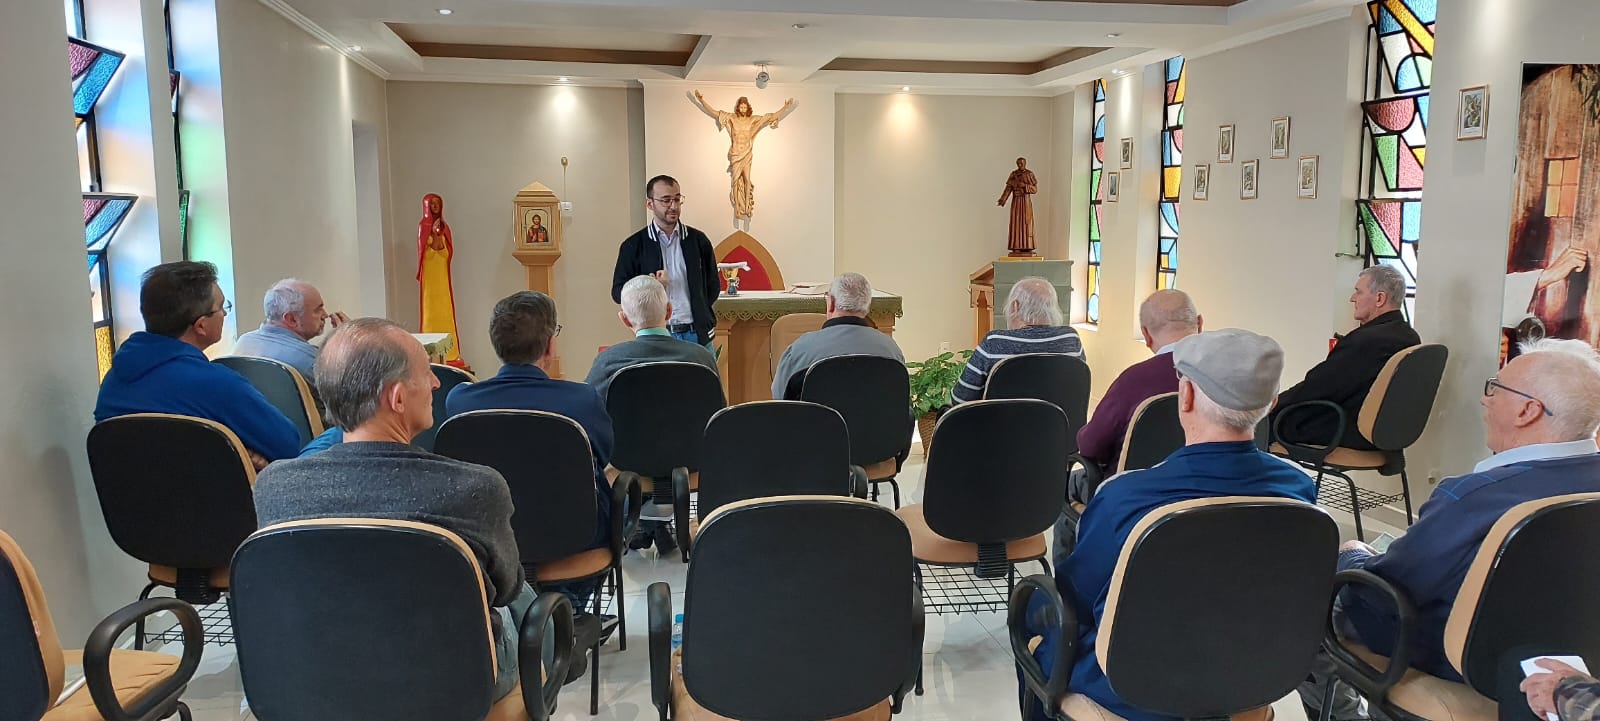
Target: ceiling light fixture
(1113, 36)
(799, 26)
(563, 79)
(355, 48)
(905, 88)
(762, 78)
(446, 11)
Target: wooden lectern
(988, 287)
(537, 224)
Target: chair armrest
(680, 508)
(919, 626)
(160, 701)
(1093, 476)
(1352, 669)
(627, 499)
(540, 686)
(1051, 690)
(658, 603)
(1315, 453)
(858, 481)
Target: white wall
(918, 177)
(47, 501)
(793, 170)
(477, 145)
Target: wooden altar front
(744, 335)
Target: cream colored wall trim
(292, 15)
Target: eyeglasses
(1494, 382)
(227, 307)
(558, 330)
(672, 200)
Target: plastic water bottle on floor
(677, 631)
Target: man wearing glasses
(163, 369)
(1542, 413)
(679, 256)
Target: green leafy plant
(932, 379)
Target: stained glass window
(102, 214)
(1399, 78)
(1097, 164)
(175, 89)
(1177, 83)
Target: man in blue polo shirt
(1227, 380)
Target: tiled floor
(968, 673)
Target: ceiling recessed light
(355, 48)
(799, 26)
(446, 11)
(563, 79)
(905, 88)
(1113, 36)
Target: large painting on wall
(1550, 289)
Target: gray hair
(284, 297)
(1233, 420)
(362, 358)
(1385, 279)
(644, 300)
(1036, 301)
(1169, 310)
(1566, 379)
(851, 293)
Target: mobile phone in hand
(1381, 543)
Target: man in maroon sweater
(1165, 318)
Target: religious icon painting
(1472, 116)
(1127, 153)
(1202, 181)
(1280, 137)
(1308, 177)
(1248, 180)
(1113, 187)
(1225, 144)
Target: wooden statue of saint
(742, 125)
(435, 249)
(1020, 186)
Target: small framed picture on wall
(1225, 144)
(1113, 187)
(1280, 137)
(1202, 181)
(1127, 153)
(1249, 180)
(1308, 177)
(1472, 115)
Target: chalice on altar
(730, 272)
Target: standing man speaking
(679, 256)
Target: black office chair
(449, 377)
(365, 619)
(773, 448)
(1392, 418)
(1216, 608)
(1153, 434)
(795, 607)
(546, 461)
(1512, 606)
(284, 388)
(873, 394)
(176, 493)
(1055, 377)
(118, 685)
(659, 413)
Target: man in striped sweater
(1033, 325)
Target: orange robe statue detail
(434, 251)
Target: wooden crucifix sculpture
(742, 126)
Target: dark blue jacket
(1207, 470)
(155, 374)
(1430, 561)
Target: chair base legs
(892, 485)
(138, 629)
(622, 608)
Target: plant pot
(925, 426)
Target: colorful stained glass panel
(102, 214)
(1390, 230)
(1171, 173)
(92, 67)
(1097, 162)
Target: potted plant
(931, 382)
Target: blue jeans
(692, 337)
(507, 641)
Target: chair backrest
(30, 651)
(1218, 605)
(1516, 604)
(758, 643)
(995, 473)
(787, 329)
(1401, 400)
(1055, 377)
(546, 462)
(351, 618)
(1153, 434)
(449, 377)
(283, 387)
(659, 413)
(175, 491)
(774, 448)
(873, 394)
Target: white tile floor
(968, 674)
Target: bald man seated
(295, 314)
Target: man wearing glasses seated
(163, 369)
(1542, 412)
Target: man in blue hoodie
(162, 369)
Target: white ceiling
(730, 36)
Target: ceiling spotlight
(446, 11)
(905, 88)
(799, 26)
(1113, 36)
(355, 48)
(762, 78)
(563, 79)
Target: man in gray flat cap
(1227, 380)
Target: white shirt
(1538, 452)
(677, 274)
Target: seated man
(1353, 365)
(162, 370)
(1165, 318)
(846, 332)
(379, 390)
(295, 314)
(1033, 325)
(1542, 412)
(523, 330)
(645, 311)
(1227, 380)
